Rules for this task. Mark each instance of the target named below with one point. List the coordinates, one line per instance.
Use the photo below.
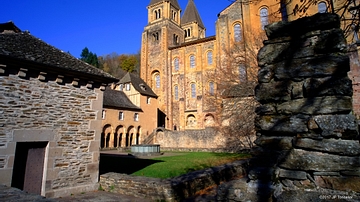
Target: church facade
(184, 67)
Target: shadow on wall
(122, 164)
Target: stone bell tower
(162, 31)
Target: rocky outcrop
(307, 135)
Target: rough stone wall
(308, 137)
(173, 189)
(65, 116)
(304, 121)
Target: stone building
(178, 59)
(181, 64)
(50, 116)
(129, 114)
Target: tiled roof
(117, 99)
(191, 14)
(138, 84)
(175, 3)
(22, 46)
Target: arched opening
(138, 132)
(191, 121)
(209, 120)
(118, 137)
(106, 136)
(130, 136)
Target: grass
(172, 166)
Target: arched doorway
(130, 136)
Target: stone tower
(166, 29)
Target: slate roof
(191, 14)
(117, 99)
(175, 3)
(19, 46)
(138, 84)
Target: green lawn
(172, 166)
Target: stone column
(306, 133)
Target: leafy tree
(117, 65)
(89, 57)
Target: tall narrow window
(103, 114)
(148, 100)
(176, 92)
(264, 19)
(193, 90)
(176, 64)
(192, 61)
(355, 31)
(322, 7)
(211, 88)
(121, 115)
(242, 73)
(159, 13)
(157, 81)
(209, 58)
(284, 15)
(237, 33)
(121, 87)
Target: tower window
(237, 32)
(176, 39)
(264, 19)
(176, 64)
(187, 32)
(192, 61)
(193, 90)
(176, 92)
(322, 7)
(209, 58)
(156, 36)
(157, 81)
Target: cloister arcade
(120, 136)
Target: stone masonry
(307, 134)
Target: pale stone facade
(130, 113)
(50, 117)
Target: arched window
(322, 7)
(157, 81)
(211, 88)
(159, 13)
(209, 58)
(237, 32)
(156, 15)
(187, 32)
(176, 64)
(264, 19)
(176, 92)
(193, 90)
(284, 15)
(175, 39)
(192, 61)
(191, 121)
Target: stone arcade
(50, 117)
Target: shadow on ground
(123, 163)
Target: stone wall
(64, 114)
(307, 134)
(192, 139)
(174, 189)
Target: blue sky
(104, 27)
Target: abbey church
(177, 57)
